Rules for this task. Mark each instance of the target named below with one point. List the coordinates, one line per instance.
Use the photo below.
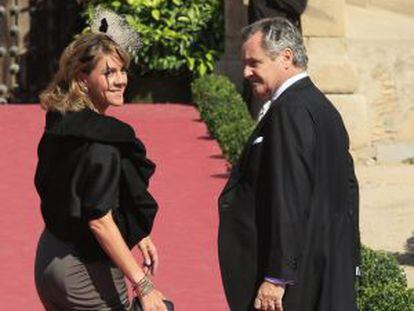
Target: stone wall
(399, 6)
(360, 56)
(332, 70)
(381, 44)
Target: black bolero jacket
(88, 165)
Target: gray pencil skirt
(64, 282)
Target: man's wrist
(277, 281)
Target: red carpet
(190, 174)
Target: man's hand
(269, 297)
(149, 254)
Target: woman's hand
(153, 301)
(150, 255)
(110, 239)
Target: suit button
(292, 263)
(225, 205)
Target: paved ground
(189, 176)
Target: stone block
(353, 109)
(362, 3)
(333, 75)
(395, 152)
(24, 26)
(324, 18)
(325, 47)
(406, 131)
(399, 6)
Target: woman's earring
(83, 88)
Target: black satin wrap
(66, 140)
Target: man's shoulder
(305, 91)
(299, 98)
(309, 96)
(307, 100)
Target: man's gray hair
(279, 34)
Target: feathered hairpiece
(117, 28)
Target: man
(291, 9)
(288, 236)
(258, 9)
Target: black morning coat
(290, 208)
(291, 9)
(88, 165)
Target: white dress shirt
(285, 85)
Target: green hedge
(178, 35)
(383, 285)
(224, 113)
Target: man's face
(264, 73)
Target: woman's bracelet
(143, 287)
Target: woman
(92, 178)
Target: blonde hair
(64, 93)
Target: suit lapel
(274, 106)
(239, 168)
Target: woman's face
(106, 83)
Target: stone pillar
(323, 25)
(230, 63)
